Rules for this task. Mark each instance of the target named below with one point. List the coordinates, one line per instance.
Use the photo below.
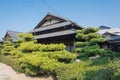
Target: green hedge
(34, 64)
(81, 44)
(61, 56)
(51, 47)
(7, 49)
(27, 47)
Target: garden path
(7, 73)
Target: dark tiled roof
(104, 27)
(68, 20)
(62, 18)
(110, 34)
(13, 34)
(65, 19)
(60, 33)
(111, 37)
(52, 26)
(58, 16)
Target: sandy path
(7, 73)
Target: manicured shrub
(34, 64)
(97, 40)
(7, 46)
(78, 50)
(90, 30)
(27, 47)
(26, 37)
(87, 42)
(44, 61)
(81, 36)
(6, 50)
(91, 50)
(31, 46)
(81, 44)
(51, 47)
(61, 56)
(16, 53)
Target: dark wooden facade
(112, 45)
(55, 29)
(112, 41)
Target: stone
(94, 57)
(77, 60)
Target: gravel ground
(7, 73)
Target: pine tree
(87, 42)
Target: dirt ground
(7, 73)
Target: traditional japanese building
(56, 29)
(13, 35)
(112, 38)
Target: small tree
(26, 37)
(88, 40)
(27, 43)
(7, 46)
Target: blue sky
(24, 15)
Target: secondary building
(13, 35)
(112, 38)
